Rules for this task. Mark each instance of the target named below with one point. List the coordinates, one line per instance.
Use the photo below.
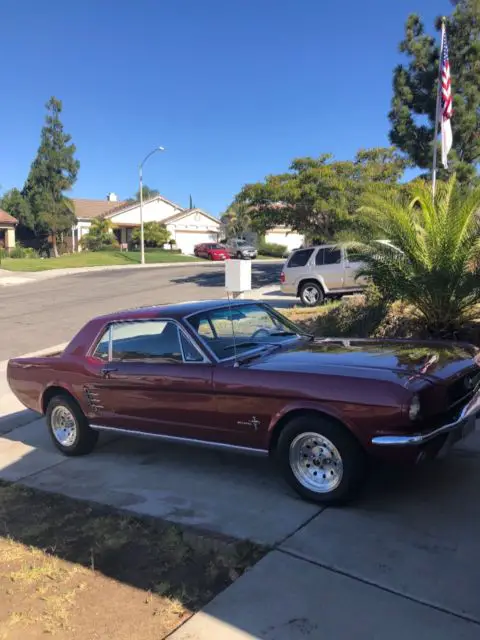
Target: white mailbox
(238, 277)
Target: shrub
(272, 249)
(22, 252)
(155, 234)
(91, 242)
(99, 236)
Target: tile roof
(6, 218)
(95, 208)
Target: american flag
(446, 100)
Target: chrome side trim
(194, 441)
(470, 410)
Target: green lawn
(92, 259)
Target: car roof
(177, 311)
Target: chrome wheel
(315, 462)
(64, 426)
(311, 295)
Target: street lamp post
(140, 176)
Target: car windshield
(242, 328)
(214, 246)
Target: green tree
(319, 196)
(155, 234)
(17, 206)
(148, 194)
(432, 259)
(99, 235)
(415, 87)
(53, 172)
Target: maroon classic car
(240, 375)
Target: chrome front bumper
(463, 426)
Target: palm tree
(148, 194)
(432, 258)
(236, 220)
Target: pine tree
(52, 173)
(415, 88)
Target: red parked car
(211, 251)
(242, 376)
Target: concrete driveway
(401, 563)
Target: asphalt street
(44, 313)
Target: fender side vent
(93, 399)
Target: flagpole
(437, 111)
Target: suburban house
(7, 230)
(187, 227)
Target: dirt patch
(72, 570)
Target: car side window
(332, 256)
(190, 352)
(144, 340)
(319, 258)
(300, 258)
(101, 350)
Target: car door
(352, 265)
(244, 406)
(329, 264)
(153, 380)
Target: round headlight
(414, 409)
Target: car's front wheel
(321, 460)
(68, 426)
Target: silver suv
(240, 249)
(314, 273)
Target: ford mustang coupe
(240, 375)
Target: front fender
(308, 405)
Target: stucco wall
(291, 240)
(155, 211)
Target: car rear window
(328, 255)
(300, 258)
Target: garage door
(186, 240)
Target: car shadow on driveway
(221, 491)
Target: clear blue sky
(234, 89)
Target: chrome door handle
(106, 371)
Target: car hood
(374, 357)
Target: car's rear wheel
(239, 255)
(68, 426)
(321, 460)
(210, 256)
(311, 294)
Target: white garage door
(186, 240)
